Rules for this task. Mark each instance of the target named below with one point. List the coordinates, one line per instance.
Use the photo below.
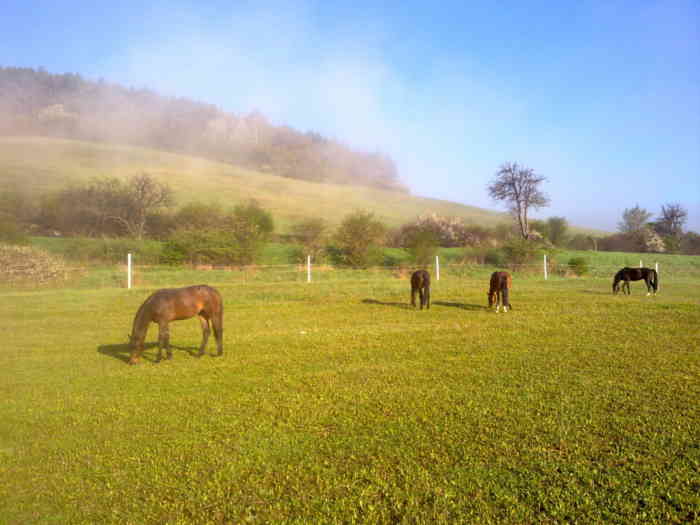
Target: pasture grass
(336, 402)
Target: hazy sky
(603, 98)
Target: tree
(311, 234)
(518, 187)
(634, 220)
(251, 227)
(141, 195)
(359, 237)
(557, 230)
(673, 217)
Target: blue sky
(603, 98)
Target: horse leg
(218, 326)
(164, 341)
(427, 297)
(498, 301)
(648, 283)
(421, 296)
(205, 334)
(413, 296)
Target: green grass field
(336, 403)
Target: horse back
(420, 279)
(182, 303)
(500, 281)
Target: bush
(358, 240)
(197, 246)
(11, 232)
(521, 252)
(579, 266)
(495, 257)
(24, 264)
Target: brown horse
(174, 304)
(420, 284)
(499, 287)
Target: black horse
(420, 284)
(651, 278)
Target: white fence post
(437, 268)
(308, 268)
(128, 271)
(545, 266)
(640, 263)
(656, 267)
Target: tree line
(35, 102)
(143, 208)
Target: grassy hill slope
(41, 164)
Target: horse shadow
(463, 306)
(405, 306)
(122, 352)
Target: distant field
(335, 402)
(42, 164)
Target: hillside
(40, 165)
(39, 103)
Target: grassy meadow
(337, 403)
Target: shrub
(11, 232)
(358, 240)
(520, 252)
(495, 257)
(579, 265)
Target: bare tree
(673, 217)
(132, 202)
(518, 186)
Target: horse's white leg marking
(505, 308)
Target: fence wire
(115, 276)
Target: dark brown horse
(174, 304)
(651, 278)
(420, 284)
(499, 287)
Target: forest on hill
(36, 102)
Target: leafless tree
(133, 201)
(673, 217)
(518, 187)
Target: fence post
(656, 267)
(128, 271)
(437, 268)
(308, 268)
(640, 263)
(545, 266)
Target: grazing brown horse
(174, 304)
(499, 287)
(651, 278)
(420, 284)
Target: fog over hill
(36, 102)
